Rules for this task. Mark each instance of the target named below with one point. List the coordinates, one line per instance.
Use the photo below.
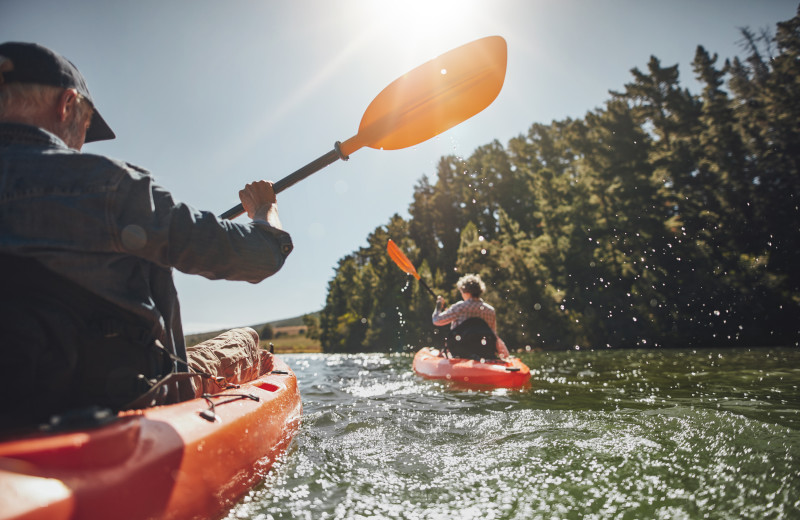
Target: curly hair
(472, 284)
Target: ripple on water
(377, 442)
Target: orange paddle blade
(434, 97)
(400, 259)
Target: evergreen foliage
(267, 332)
(311, 321)
(663, 219)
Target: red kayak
(430, 364)
(186, 460)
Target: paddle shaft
(428, 288)
(293, 178)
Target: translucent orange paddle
(423, 103)
(404, 263)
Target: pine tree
(662, 219)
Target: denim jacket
(108, 226)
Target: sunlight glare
(415, 24)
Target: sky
(209, 95)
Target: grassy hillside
(289, 336)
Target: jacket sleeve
(447, 316)
(151, 224)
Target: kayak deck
(161, 462)
(512, 373)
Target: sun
(420, 24)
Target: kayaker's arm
(194, 241)
(502, 350)
(449, 315)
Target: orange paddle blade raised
(400, 259)
(434, 97)
(421, 104)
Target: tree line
(666, 218)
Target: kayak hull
(507, 374)
(162, 462)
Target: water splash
(633, 434)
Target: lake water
(611, 434)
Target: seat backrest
(63, 347)
(472, 339)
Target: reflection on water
(611, 434)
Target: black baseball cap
(33, 63)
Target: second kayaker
(459, 314)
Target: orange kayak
(512, 373)
(162, 462)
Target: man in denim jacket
(106, 226)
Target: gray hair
(24, 101)
(472, 284)
(20, 99)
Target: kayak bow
(185, 460)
